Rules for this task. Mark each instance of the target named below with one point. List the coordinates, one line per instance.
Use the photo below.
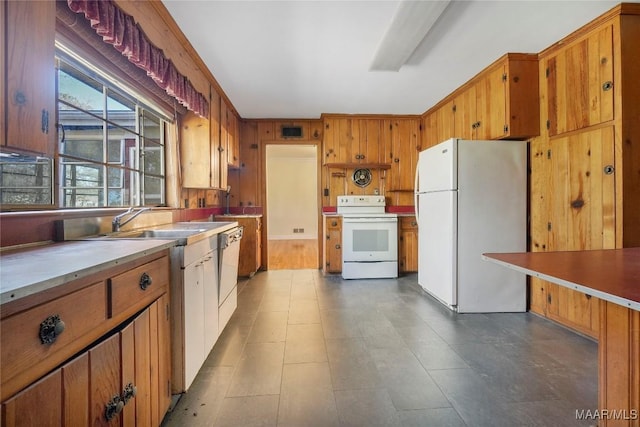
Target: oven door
(369, 239)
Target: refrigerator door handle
(415, 194)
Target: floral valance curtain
(120, 30)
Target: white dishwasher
(229, 254)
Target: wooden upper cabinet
(501, 102)
(195, 151)
(354, 141)
(490, 92)
(464, 107)
(233, 143)
(337, 140)
(214, 140)
(30, 75)
(438, 125)
(405, 146)
(369, 144)
(250, 167)
(579, 82)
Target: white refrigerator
(471, 198)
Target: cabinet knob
(334, 223)
(113, 407)
(337, 246)
(50, 329)
(145, 281)
(607, 85)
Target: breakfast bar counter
(613, 275)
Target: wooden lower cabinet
(251, 244)
(121, 381)
(125, 364)
(332, 256)
(619, 359)
(407, 244)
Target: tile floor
(304, 349)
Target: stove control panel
(361, 201)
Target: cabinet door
(582, 212)
(193, 310)
(408, 245)
(337, 140)
(195, 151)
(250, 168)
(333, 245)
(104, 380)
(439, 125)
(465, 114)
(405, 148)
(214, 141)
(368, 146)
(491, 97)
(224, 144)
(233, 150)
(30, 92)
(38, 405)
(164, 356)
(579, 81)
(75, 384)
(210, 290)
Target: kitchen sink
(184, 233)
(157, 234)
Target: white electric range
(369, 238)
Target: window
(25, 180)
(111, 145)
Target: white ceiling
(299, 59)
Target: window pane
(25, 180)
(121, 111)
(82, 134)
(153, 158)
(83, 197)
(153, 191)
(151, 128)
(79, 90)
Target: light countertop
(28, 271)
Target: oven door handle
(363, 220)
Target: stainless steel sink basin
(157, 234)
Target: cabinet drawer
(22, 348)
(408, 223)
(138, 287)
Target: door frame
(263, 194)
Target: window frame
(136, 170)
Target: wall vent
(291, 131)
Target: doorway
(292, 206)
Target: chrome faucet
(116, 222)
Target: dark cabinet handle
(113, 407)
(334, 223)
(145, 281)
(50, 329)
(45, 122)
(129, 391)
(414, 224)
(337, 246)
(607, 86)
